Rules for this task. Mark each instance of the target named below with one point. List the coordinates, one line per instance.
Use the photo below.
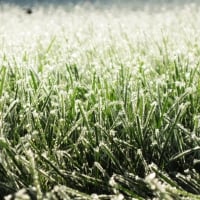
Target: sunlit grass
(100, 103)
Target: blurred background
(36, 2)
(30, 6)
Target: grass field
(100, 103)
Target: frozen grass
(100, 104)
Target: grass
(106, 110)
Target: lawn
(100, 102)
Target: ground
(100, 101)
